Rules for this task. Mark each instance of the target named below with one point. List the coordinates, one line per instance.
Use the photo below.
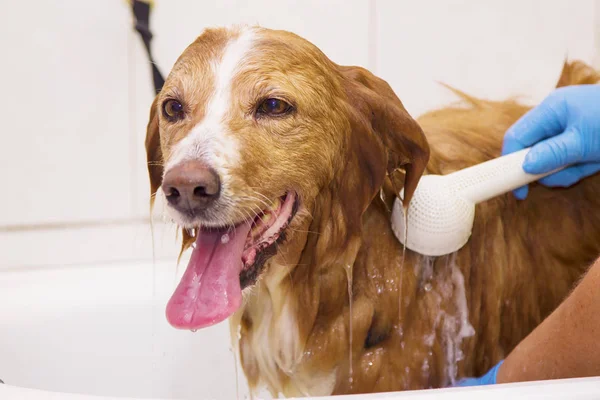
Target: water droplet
(402, 344)
(194, 330)
(429, 339)
(370, 363)
(407, 369)
(225, 238)
(427, 287)
(350, 287)
(191, 232)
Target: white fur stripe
(210, 141)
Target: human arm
(565, 344)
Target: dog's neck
(300, 307)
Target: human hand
(564, 130)
(488, 379)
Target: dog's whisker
(256, 214)
(246, 216)
(260, 194)
(303, 231)
(253, 191)
(266, 202)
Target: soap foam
(448, 289)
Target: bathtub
(99, 332)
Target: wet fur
(522, 259)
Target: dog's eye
(274, 107)
(173, 110)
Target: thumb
(557, 152)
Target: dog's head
(249, 128)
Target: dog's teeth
(266, 218)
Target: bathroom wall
(77, 90)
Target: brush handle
(492, 178)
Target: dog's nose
(191, 186)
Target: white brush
(442, 210)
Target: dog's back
(524, 256)
(437, 319)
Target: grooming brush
(442, 210)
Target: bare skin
(566, 344)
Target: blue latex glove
(564, 129)
(488, 379)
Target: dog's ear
(385, 137)
(154, 155)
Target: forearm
(564, 345)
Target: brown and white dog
(286, 165)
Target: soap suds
(447, 290)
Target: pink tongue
(209, 291)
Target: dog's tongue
(209, 291)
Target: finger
(553, 153)
(521, 193)
(571, 175)
(543, 121)
(464, 382)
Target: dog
(281, 168)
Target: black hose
(141, 12)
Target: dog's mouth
(223, 262)
(267, 230)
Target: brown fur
(341, 149)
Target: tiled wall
(76, 93)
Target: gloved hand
(488, 379)
(564, 129)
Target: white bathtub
(99, 332)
